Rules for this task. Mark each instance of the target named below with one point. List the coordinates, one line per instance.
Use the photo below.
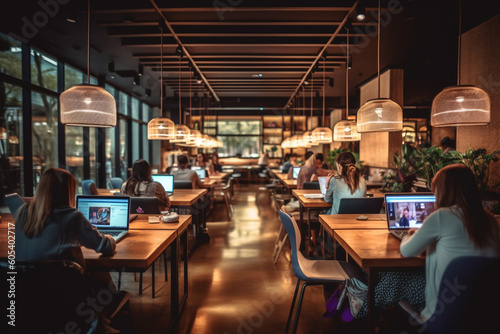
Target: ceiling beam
(233, 23)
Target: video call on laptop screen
(167, 181)
(110, 212)
(295, 172)
(408, 211)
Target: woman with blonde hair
(348, 183)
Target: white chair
(312, 272)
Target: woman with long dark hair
(348, 183)
(460, 226)
(140, 184)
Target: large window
(10, 56)
(239, 137)
(123, 148)
(43, 70)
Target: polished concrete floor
(234, 287)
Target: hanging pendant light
(88, 105)
(161, 128)
(323, 135)
(460, 105)
(346, 130)
(381, 114)
(181, 134)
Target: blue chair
(115, 183)
(86, 186)
(312, 272)
(468, 283)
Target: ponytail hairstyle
(350, 173)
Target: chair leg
(228, 207)
(299, 305)
(119, 279)
(277, 242)
(291, 307)
(165, 265)
(280, 248)
(153, 281)
(140, 283)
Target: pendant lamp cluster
(88, 105)
(165, 129)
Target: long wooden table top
(310, 202)
(349, 222)
(142, 223)
(186, 197)
(281, 176)
(219, 176)
(138, 249)
(6, 219)
(208, 183)
(375, 248)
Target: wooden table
(219, 177)
(191, 199)
(104, 191)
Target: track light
(137, 79)
(140, 70)
(349, 63)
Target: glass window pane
(123, 104)
(236, 127)
(10, 56)
(44, 132)
(247, 146)
(135, 108)
(135, 143)
(110, 153)
(145, 144)
(11, 140)
(72, 77)
(123, 149)
(43, 70)
(145, 112)
(110, 89)
(74, 152)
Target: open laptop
(144, 205)
(295, 172)
(202, 173)
(322, 188)
(167, 181)
(110, 214)
(407, 210)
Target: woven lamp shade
(193, 138)
(322, 135)
(380, 115)
(88, 105)
(181, 134)
(309, 139)
(161, 129)
(286, 143)
(297, 141)
(460, 106)
(346, 131)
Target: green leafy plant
(478, 162)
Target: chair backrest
(293, 232)
(361, 205)
(50, 295)
(115, 183)
(467, 283)
(311, 185)
(183, 185)
(86, 186)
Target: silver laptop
(110, 214)
(167, 181)
(407, 210)
(202, 173)
(295, 172)
(322, 188)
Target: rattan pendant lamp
(161, 128)
(346, 130)
(460, 105)
(182, 132)
(88, 105)
(380, 114)
(323, 135)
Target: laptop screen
(295, 172)
(202, 173)
(322, 184)
(167, 181)
(105, 212)
(408, 210)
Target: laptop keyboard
(113, 233)
(399, 234)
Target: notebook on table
(202, 173)
(322, 188)
(110, 214)
(407, 210)
(167, 181)
(295, 172)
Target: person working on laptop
(405, 218)
(347, 183)
(141, 184)
(311, 170)
(185, 174)
(214, 165)
(460, 226)
(202, 162)
(292, 162)
(50, 228)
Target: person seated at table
(50, 228)
(93, 189)
(460, 226)
(404, 221)
(183, 173)
(308, 154)
(347, 183)
(201, 161)
(141, 184)
(291, 162)
(214, 165)
(311, 170)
